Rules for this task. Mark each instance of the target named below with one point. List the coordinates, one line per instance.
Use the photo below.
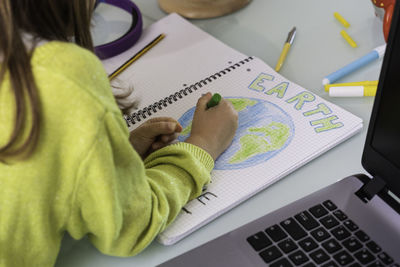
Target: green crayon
(214, 100)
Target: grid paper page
(281, 127)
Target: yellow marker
(348, 38)
(136, 56)
(285, 49)
(341, 19)
(356, 89)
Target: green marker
(214, 100)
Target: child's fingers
(202, 102)
(158, 145)
(160, 119)
(164, 140)
(154, 129)
(156, 121)
(169, 138)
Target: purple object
(128, 39)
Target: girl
(67, 160)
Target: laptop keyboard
(320, 236)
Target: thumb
(202, 102)
(154, 129)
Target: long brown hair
(61, 20)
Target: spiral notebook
(282, 126)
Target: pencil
(136, 56)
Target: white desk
(261, 29)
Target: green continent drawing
(264, 130)
(241, 103)
(274, 136)
(187, 129)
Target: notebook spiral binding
(159, 105)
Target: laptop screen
(386, 136)
(381, 156)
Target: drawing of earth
(264, 130)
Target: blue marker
(355, 65)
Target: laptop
(354, 222)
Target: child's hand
(213, 129)
(154, 134)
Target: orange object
(386, 15)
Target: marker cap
(215, 99)
(370, 90)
